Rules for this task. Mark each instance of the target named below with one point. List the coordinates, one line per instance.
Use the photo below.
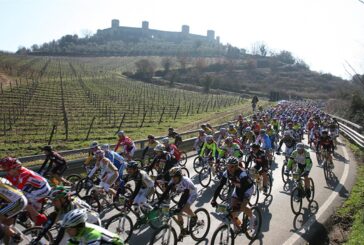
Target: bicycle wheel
(223, 235)
(224, 193)
(312, 188)
(255, 196)
(204, 177)
(93, 202)
(166, 235)
(74, 179)
(119, 199)
(201, 229)
(270, 184)
(185, 172)
(182, 162)
(122, 225)
(33, 232)
(296, 200)
(326, 169)
(83, 186)
(285, 178)
(252, 234)
(198, 164)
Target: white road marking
(295, 237)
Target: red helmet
(8, 163)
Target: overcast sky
(324, 33)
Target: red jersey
(25, 178)
(126, 142)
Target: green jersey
(95, 235)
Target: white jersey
(184, 184)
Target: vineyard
(70, 101)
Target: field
(71, 101)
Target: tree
(145, 69)
(166, 63)
(286, 57)
(259, 48)
(207, 82)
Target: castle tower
(218, 39)
(210, 34)
(185, 29)
(115, 23)
(145, 25)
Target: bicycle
(167, 233)
(216, 169)
(328, 165)
(182, 162)
(200, 162)
(226, 232)
(298, 192)
(258, 185)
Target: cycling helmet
(262, 131)
(132, 164)
(8, 163)
(105, 147)
(170, 129)
(58, 192)
(300, 146)
(94, 144)
(222, 130)
(231, 125)
(325, 132)
(248, 129)
(229, 140)
(201, 131)
(100, 153)
(48, 148)
(165, 140)
(269, 126)
(151, 137)
(175, 171)
(209, 138)
(121, 133)
(255, 146)
(232, 161)
(203, 125)
(159, 147)
(4, 181)
(74, 218)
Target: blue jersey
(117, 160)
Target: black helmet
(232, 161)
(47, 148)
(255, 145)
(132, 164)
(175, 171)
(325, 132)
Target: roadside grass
(350, 215)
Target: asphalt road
(279, 224)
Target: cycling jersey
(199, 142)
(95, 235)
(12, 201)
(166, 162)
(108, 175)
(303, 160)
(117, 160)
(232, 131)
(34, 186)
(55, 159)
(127, 143)
(177, 138)
(210, 147)
(264, 140)
(260, 160)
(233, 150)
(242, 181)
(326, 143)
(143, 185)
(174, 151)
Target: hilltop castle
(136, 34)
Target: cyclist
(56, 161)
(248, 136)
(109, 173)
(12, 203)
(184, 185)
(327, 143)
(232, 130)
(177, 138)
(209, 148)
(127, 144)
(303, 159)
(222, 136)
(118, 161)
(144, 185)
(208, 130)
(200, 140)
(315, 134)
(255, 128)
(163, 162)
(34, 186)
(172, 150)
(261, 164)
(152, 143)
(94, 146)
(82, 232)
(242, 191)
(289, 141)
(334, 130)
(230, 149)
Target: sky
(327, 34)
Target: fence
(351, 130)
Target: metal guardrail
(351, 130)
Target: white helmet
(94, 144)
(74, 218)
(165, 140)
(121, 133)
(159, 147)
(105, 147)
